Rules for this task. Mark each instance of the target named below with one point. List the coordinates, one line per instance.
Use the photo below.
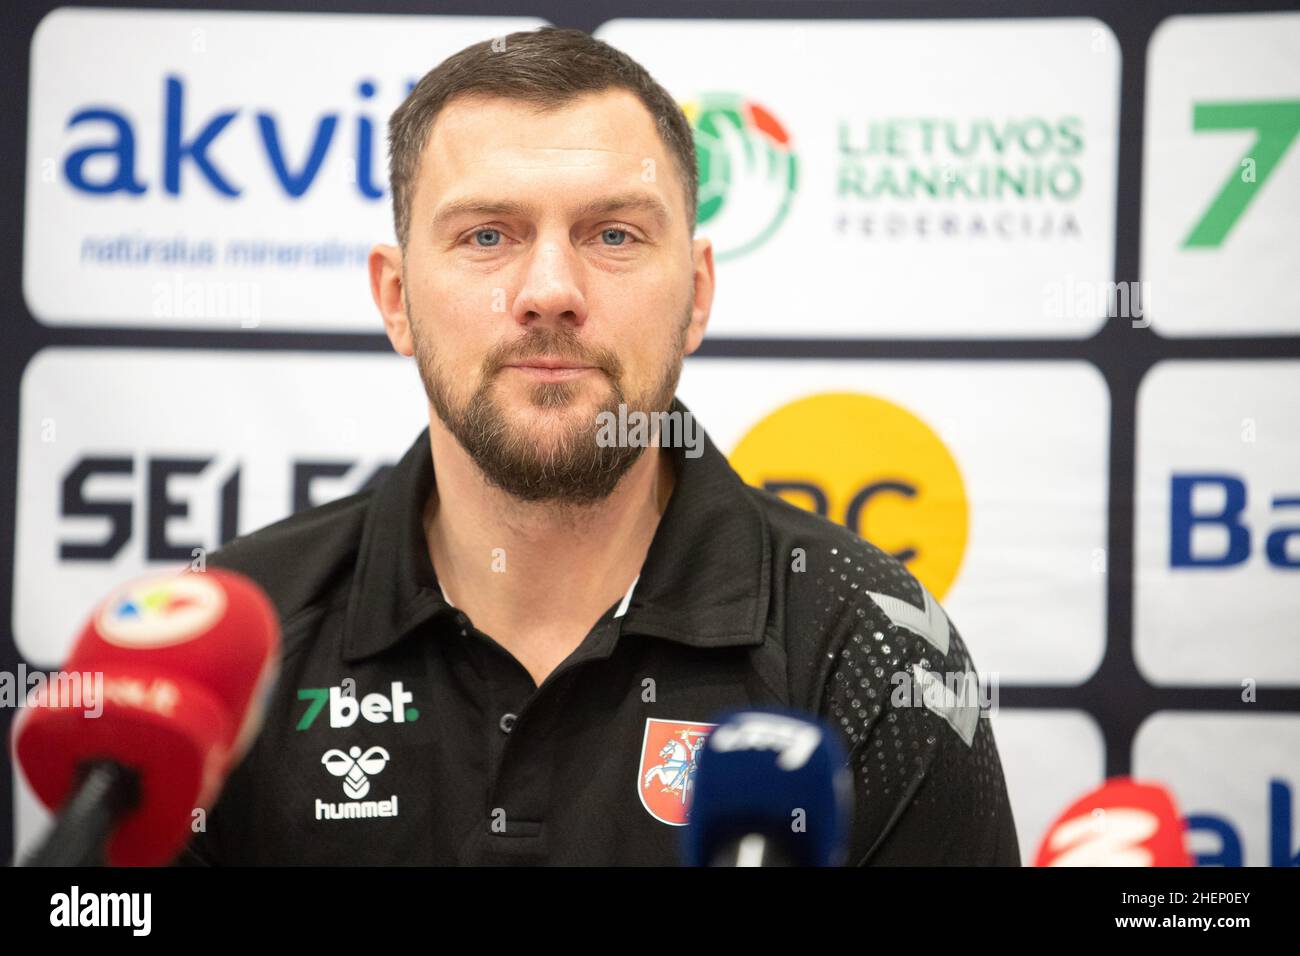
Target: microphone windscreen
(775, 775)
(179, 666)
(1122, 823)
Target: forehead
(484, 145)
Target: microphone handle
(753, 849)
(106, 792)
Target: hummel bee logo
(356, 768)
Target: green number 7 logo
(1277, 124)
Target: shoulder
(834, 591)
(300, 561)
(871, 652)
(806, 543)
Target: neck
(536, 576)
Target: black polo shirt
(398, 733)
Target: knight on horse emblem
(669, 757)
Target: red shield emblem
(669, 752)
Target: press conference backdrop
(1009, 289)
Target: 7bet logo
(344, 708)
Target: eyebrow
(602, 206)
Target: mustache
(550, 343)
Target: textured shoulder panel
(871, 652)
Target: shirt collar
(704, 581)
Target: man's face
(549, 276)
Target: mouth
(550, 370)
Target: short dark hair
(548, 68)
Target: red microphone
(1123, 823)
(186, 661)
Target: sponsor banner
(963, 470)
(1234, 779)
(136, 459)
(1049, 758)
(217, 169)
(1217, 529)
(866, 178)
(1221, 176)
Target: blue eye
(496, 232)
(613, 229)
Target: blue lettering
(1279, 813)
(365, 148)
(1276, 543)
(180, 150)
(295, 186)
(1230, 843)
(176, 150)
(1182, 521)
(123, 149)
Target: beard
(557, 460)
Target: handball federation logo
(669, 754)
(748, 171)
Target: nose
(550, 291)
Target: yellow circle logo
(872, 466)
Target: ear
(386, 289)
(702, 304)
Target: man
(510, 650)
